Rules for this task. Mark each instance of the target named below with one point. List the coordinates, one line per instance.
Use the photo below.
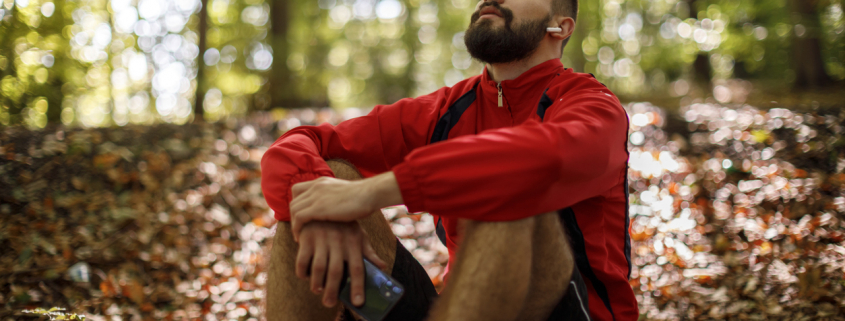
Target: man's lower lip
(490, 15)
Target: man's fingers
(300, 203)
(318, 267)
(334, 273)
(370, 254)
(356, 271)
(300, 187)
(298, 220)
(300, 214)
(294, 208)
(303, 258)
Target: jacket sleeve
(578, 152)
(374, 143)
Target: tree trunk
(202, 27)
(702, 71)
(807, 59)
(281, 83)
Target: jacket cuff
(284, 213)
(409, 187)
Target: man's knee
(472, 228)
(550, 237)
(344, 170)
(543, 235)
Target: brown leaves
(767, 232)
(134, 291)
(742, 217)
(132, 206)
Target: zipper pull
(499, 85)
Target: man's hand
(331, 199)
(324, 247)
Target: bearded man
(523, 167)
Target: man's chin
(488, 23)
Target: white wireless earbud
(553, 30)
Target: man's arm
(504, 174)
(374, 143)
(578, 152)
(330, 199)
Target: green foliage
(34, 63)
(237, 55)
(114, 62)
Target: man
(524, 168)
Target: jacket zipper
(499, 85)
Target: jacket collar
(520, 95)
(537, 73)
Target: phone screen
(381, 293)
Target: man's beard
(491, 45)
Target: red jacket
(559, 143)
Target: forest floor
(736, 212)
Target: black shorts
(420, 293)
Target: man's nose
(482, 2)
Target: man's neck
(512, 70)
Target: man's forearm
(332, 199)
(382, 190)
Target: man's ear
(566, 25)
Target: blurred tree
(34, 61)
(807, 59)
(113, 62)
(202, 31)
(237, 57)
(298, 55)
(281, 88)
(784, 42)
(833, 35)
(701, 68)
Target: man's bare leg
(376, 226)
(551, 267)
(289, 297)
(514, 270)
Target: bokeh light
(102, 54)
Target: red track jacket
(558, 143)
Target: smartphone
(381, 293)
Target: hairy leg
(290, 298)
(376, 226)
(551, 267)
(515, 270)
(490, 279)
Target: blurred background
(131, 130)
(104, 63)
